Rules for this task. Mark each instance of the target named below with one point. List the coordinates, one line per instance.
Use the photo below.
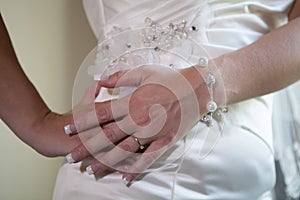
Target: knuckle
(110, 134)
(103, 115)
(161, 144)
(136, 99)
(80, 153)
(167, 140)
(143, 70)
(142, 120)
(119, 74)
(103, 161)
(98, 166)
(83, 152)
(149, 159)
(140, 70)
(127, 147)
(138, 168)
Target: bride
(241, 165)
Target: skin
(42, 130)
(276, 60)
(275, 57)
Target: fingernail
(124, 181)
(69, 158)
(102, 115)
(68, 130)
(89, 170)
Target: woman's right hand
(49, 138)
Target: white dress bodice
(240, 166)
(241, 20)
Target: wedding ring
(140, 145)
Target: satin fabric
(241, 164)
(286, 128)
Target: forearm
(268, 65)
(21, 107)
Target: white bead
(148, 21)
(210, 80)
(207, 120)
(181, 26)
(203, 62)
(211, 106)
(225, 109)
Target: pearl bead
(181, 26)
(203, 62)
(210, 80)
(211, 106)
(225, 109)
(207, 120)
(148, 21)
(123, 59)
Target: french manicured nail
(68, 129)
(89, 170)
(69, 158)
(124, 181)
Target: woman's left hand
(163, 108)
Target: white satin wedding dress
(241, 164)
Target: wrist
(47, 135)
(194, 75)
(215, 101)
(219, 93)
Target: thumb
(132, 77)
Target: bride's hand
(46, 135)
(163, 108)
(49, 139)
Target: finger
(112, 110)
(152, 153)
(110, 159)
(95, 140)
(132, 77)
(95, 114)
(84, 118)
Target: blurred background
(51, 39)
